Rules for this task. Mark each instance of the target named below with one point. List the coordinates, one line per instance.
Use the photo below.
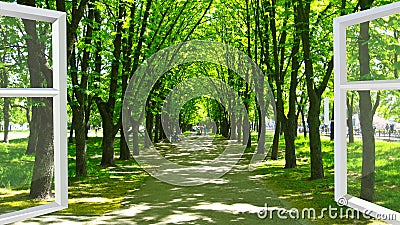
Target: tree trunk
(80, 140)
(275, 142)
(41, 184)
(149, 127)
(124, 153)
(88, 111)
(6, 103)
(290, 122)
(246, 121)
(260, 108)
(233, 126)
(157, 129)
(290, 148)
(368, 147)
(366, 115)
(78, 121)
(261, 131)
(82, 107)
(42, 177)
(303, 121)
(245, 130)
(332, 125)
(289, 128)
(163, 136)
(71, 130)
(107, 108)
(239, 128)
(349, 103)
(36, 80)
(135, 139)
(225, 125)
(278, 73)
(160, 129)
(33, 130)
(314, 93)
(6, 112)
(107, 157)
(317, 169)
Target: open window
(24, 92)
(366, 46)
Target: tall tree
(366, 113)
(4, 84)
(107, 108)
(78, 97)
(42, 177)
(81, 104)
(290, 120)
(314, 91)
(126, 71)
(246, 95)
(135, 63)
(278, 71)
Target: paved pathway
(235, 198)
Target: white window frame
(59, 95)
(342, 85)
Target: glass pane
(27, 160)
(380, 148)
(383, 48)
(25, 53)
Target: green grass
(100, 192)
(387, 168)
(15, 176)
(294, 185)
(103, 189)
(16, 167)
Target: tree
(78, 99)
(81, 104)
(107, 107)
(41, 185)
(366, 113)
(4, 84)
(314, 91)
(290, 121)
(129, 73)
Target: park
(198, 112)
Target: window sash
(59, 95)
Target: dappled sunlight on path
(235, 198)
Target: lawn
(387, 166)
(100, 192)
(15, 175)
(103, 189)
(294, 185)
